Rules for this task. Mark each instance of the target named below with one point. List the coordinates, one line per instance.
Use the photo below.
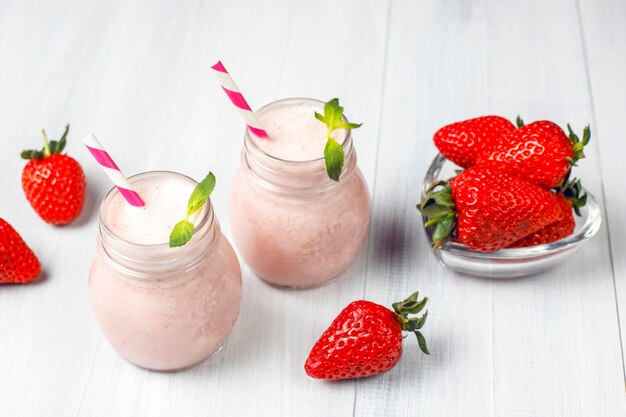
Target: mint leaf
(200, 194)
(345, 125)
(333, 113)
(181, 233)
(320, 117)
(333, 154)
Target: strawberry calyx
(439, 211)
(50, 147)
(519, 122)
(572, 191)
(578, 144)
(412, 305)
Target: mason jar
(291, 223)
(164, 308)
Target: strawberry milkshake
(163, 308)
(292, 224)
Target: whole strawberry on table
(515, 190)
(366, 339)
(18, 263)
(54, 183)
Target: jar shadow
(393, 240)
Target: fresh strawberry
(462, 142)
(570, 200)
(365, 339)
(539, 152)
(18, 264)
(54, 183)
(486, 209)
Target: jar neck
(157, 262)
(289, 177)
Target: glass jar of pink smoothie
(293, 225)
(163, 308)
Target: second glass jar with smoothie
(292, 224)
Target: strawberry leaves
(333, 152)
(183, 230)
(578, 144)
(50, 147)
(439, 211)
(413, 324)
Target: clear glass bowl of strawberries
(499, 200)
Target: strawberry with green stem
(54, 183)
(366, 339)
(333, 151)
(486, 209)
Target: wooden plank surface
(604, 41)
(136, 74)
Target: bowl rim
(588, 229)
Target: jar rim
(248, 142)
(207, 213)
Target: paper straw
(112, 171)
(235, 96)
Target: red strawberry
(570, 200)
(18, 264)
(54, 183)
(486, 210)
(539, 152)
(461, 142)
(365, 339)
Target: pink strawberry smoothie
(163, 308)
(293, 225)
(296, 135)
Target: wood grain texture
(604, 37)
(434, 75)
(135, 73)
(549, 329)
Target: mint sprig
(183, 231)
(333, 152)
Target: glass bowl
(510, 262)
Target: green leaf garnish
(333, 152)
(183, 231)
(200, 194)
(334, 156)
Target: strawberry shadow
(89, 211)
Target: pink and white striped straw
(235, 96)
(112, 171)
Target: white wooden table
(135, 73)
